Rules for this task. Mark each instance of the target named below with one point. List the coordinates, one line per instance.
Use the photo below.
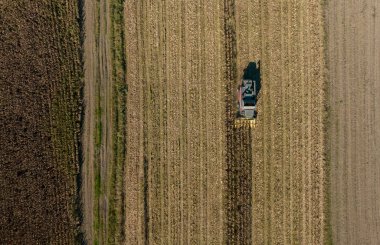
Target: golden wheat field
(194, 178)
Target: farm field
(288, 143)
(40, 109)
(147, 152)
(354, 85)
(193, 177)
(175, 129)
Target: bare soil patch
(354, 79)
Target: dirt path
(105, 86)
(98, 104)
(354, 41)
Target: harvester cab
(247, 94)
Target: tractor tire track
(97, 77)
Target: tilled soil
(353, 50)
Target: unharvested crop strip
(203, 111)
(285, 32)
(290, 157)
(258, 177)
(172, 155)
(151, 35)
(265, 118)
(184, 155)
(154, 130)
(308, 139)
(117, 115)
(296, 86)
(317, 95)
(136, 166)
(286, 60)
(218, 231)
(275, 125)
(175, 142)
(239, 156)
(162, 72)
(193, 80)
